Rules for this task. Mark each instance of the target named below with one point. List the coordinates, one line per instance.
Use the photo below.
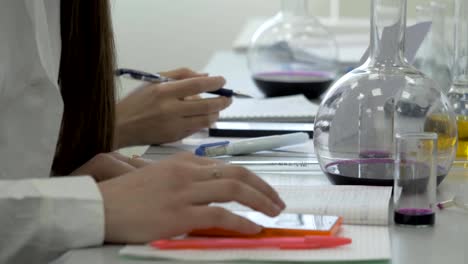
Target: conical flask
(363, 111)
(292, 53)
(458, 94)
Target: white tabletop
(446, 242)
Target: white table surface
(446, 242)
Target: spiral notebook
(295, 108)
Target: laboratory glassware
(458, 94)
(433, 57)
(414, 191)
(360, 114)
(293, 53)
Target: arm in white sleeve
(42, 218)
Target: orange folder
(307, 225)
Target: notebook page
(294, 108)
(363, 205)
(369, 243)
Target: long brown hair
(87, 84)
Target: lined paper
(295, 108)
(363, 205)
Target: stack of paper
(295, 108)
(369, 243)
(363, 206)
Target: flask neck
(290, 8)
(460, 70)
(388, 50)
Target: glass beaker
(458, 94)
(360, 114)
(433, 57)
(293, 53)
(414, 192)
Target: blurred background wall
(162, 34)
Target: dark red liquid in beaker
(310, 84)
(414, 216)
(374, 171)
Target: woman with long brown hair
(58, 117)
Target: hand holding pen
(158, 78)
(161, 113)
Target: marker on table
(249, 146)
(307, 242)
(157, 78)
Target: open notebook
(294, 108)
(365, 213)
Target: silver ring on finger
(216, 172)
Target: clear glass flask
(414, 191)
(458, 94)
(433, 57)
(360, 114)
(293, 53)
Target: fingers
(139, 162)
(240, 174)
(188, 156)
(204, 217)
(135, 161)
(244, 175)
(204, 106)
(103, 167)
(198, 122)
(182, 73)
(227, 190)
(192, 86)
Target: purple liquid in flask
(282, 83)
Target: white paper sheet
(363, 205)
(295, 108)
(369, 243)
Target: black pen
(157, 78)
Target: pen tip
(241, 95)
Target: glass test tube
(415, 179)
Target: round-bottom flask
(360, 114)
(293, 53)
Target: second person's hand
(105, 166)
(167, 112)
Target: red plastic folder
(285, 243)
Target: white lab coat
(40, 217)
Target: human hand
(167, 112)
(106, 166)
(172, 198)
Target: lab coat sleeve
(42, 218)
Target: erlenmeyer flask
(292, 53)
(433, 58)
(458, 94)
(360, 114)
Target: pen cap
(415, 178)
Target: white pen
(253, 145)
